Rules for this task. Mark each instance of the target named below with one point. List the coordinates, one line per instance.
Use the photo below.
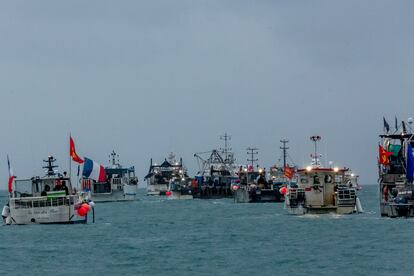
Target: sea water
(155, 236)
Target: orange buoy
(168, 193)
(283, 190)
(235, 187)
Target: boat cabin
(324, 187)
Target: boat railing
(43, 201)
(294, 193)
(346, 197)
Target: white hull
(241, 195)
(46, 215)
(300, 210)
(128, 194)
(178, 196)
(157, 189)
(41, 210)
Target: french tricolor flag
(93, 170)
(11, 176)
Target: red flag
(383, 156)
(73, 153)
(11, 176)
(289, 172)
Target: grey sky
(149, 77)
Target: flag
(410, 163)
(396, 123)
(403, 127)
(386, 125)
(72, 152)
(93, 170)
(289, 172)
(383, 156)
(11, 176)
(395, 149)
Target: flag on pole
(72, 151)
(384, 156)
(93, 170)
(11, 176)
(386, 125)
(288, 172)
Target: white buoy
(359, 206)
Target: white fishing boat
(50, 199)
(321, 190)
(169, 178)
(121, 183)
(179, 187)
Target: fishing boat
(170, 176)
(179, 186)
(120, 183)
(396, 171)
(282, 175)
(321, 190)
(49, 199)
(217, 172)
(253, 184)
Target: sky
(145, 78)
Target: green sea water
(154, 236)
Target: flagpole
(70, 161)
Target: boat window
(328, 178)
(116, 181)
(23, 188)
(100, 188)
(338, 179)
(304, 180)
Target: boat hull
(156, 189)
(397, 210)
(128, 194)
(45, 215)
(176, 195)
(301, 210)
(242, 195)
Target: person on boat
(261, 182)
(63, 187)
(6, 212)
(45, 190)
(58, 185)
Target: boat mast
(112, 159)
(252, 152)
(315, 156)
(50, 167)
(226, 149)
(284, 148)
